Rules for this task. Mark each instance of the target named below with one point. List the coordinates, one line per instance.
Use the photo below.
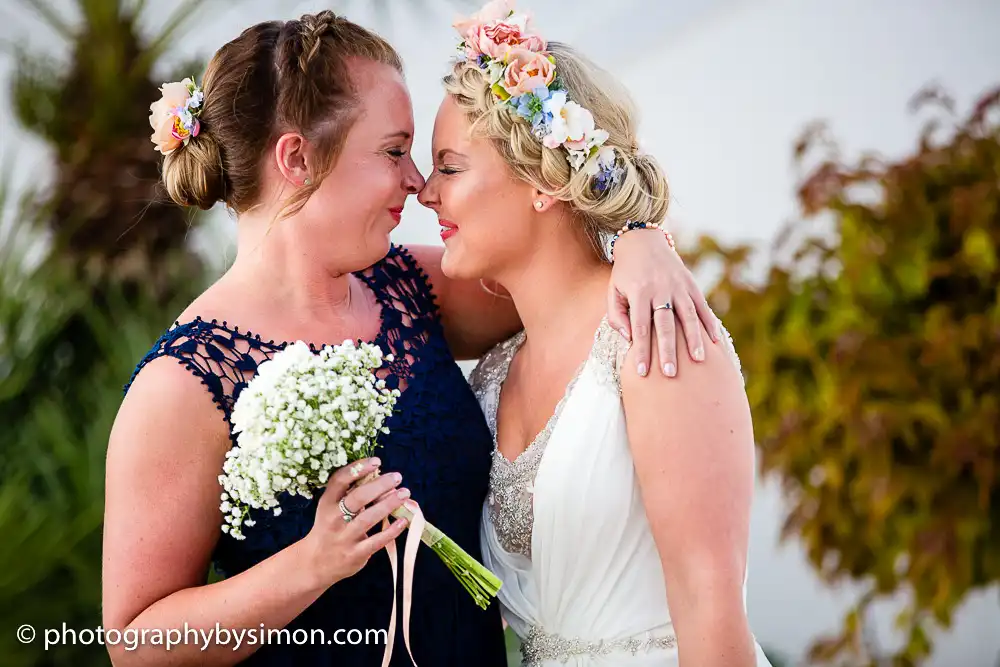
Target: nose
(413, 180)
(429, 196)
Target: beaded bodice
(511, 489)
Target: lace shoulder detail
(224, 359)
(493, 366)
(610, 348)
(727, 341)
(399, 278)
(608, 353)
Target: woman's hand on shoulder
(648, 273)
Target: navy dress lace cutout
(438, 440)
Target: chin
(457, 265)
(375, 248)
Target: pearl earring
(539, 205)
(308, 181)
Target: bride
(619, 509)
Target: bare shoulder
(705, 405)
(168, 418)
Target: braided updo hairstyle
(276, 77)
(640, 193)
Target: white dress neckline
(512, 480)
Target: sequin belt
(539, 646)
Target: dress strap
(223, 359)
(401, 282)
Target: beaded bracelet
(629, 226)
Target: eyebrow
(444, 151)
(402, 134)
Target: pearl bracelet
(629, 226)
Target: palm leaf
(50, 17)
(158, 44)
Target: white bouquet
(303, 416)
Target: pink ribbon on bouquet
(414, 531)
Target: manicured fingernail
(403, 493)
(670, 370)
(642, 369)
(375, 463)
(623, 333)
(396, 477)
(699, 354)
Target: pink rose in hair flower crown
(497, 39)
(174, 117)
(496, 10)
(527, 71)
(522, 76)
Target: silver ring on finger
(348, 514)
(664, 306)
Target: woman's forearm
(263, 598)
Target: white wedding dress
(564, 525)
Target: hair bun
(192, 174)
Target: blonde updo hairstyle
(276, 77)
(640, 193)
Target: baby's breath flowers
(304, 415)
(301, 417)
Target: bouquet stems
(481, 584)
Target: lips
(448, 229)
(396, 213)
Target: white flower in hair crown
(522, 75)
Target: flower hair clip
(522, 75)
(174, 117)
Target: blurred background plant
(84, 290)
(872, 356)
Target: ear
(541, 202)
(291, 158)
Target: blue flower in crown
(531, 107)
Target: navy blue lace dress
(438, 440)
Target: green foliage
(105, 207)
(52, 447)
(872, 356)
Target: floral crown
(522, 75)
(174, 117)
